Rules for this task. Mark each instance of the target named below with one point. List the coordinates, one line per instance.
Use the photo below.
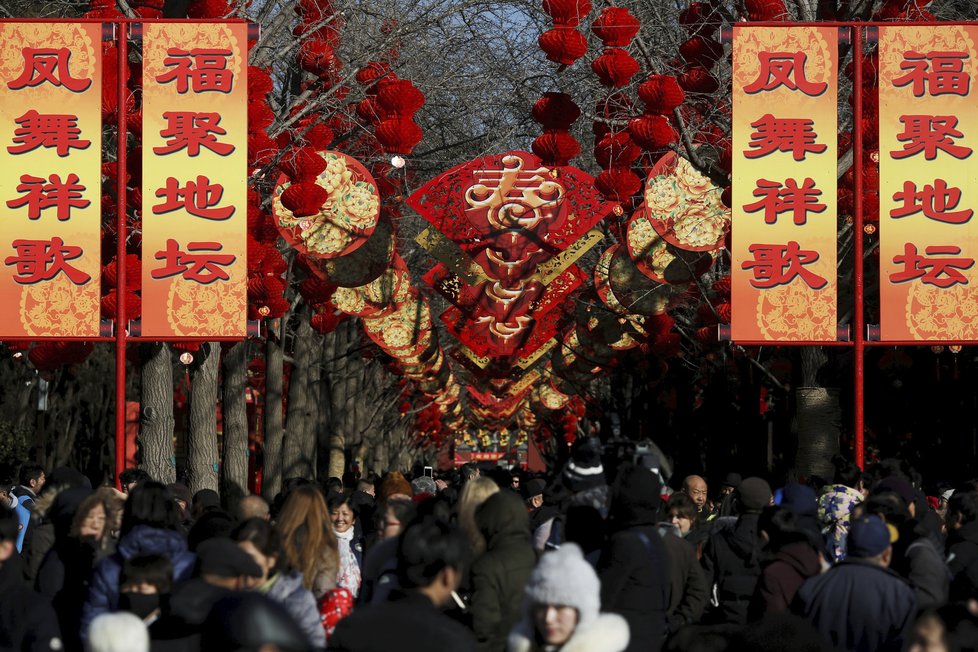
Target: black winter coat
(408, 622)
(499, 576)
(732, 562)
(859, 606)
(962, 561)
(781, 577)
(27, 621)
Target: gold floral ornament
(213, 308)
(344, 221)
(59, 308)
(794, 312)
(684, 207)
(934, 313)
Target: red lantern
(556, 147)
(399, 135)
(651, 132)
(259, 83)
(260, 117)
(701, 51)
(766, 10)
(400, 98)
(317, 57)
(371, 72)
(618, 184)
(304, 198)
(563, 45)
(616, 26)
(556, 111)
(700, 18)
(616, 149)
(304, 164)
(109, 305)
(661, 94)
(567, 12)
(205, 9)
(615, 67)
(698, 80)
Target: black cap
(534, 487)
(732, 480)
(224, 558)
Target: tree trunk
(342, 397)
(818, 418)
(157, 422)
(234, 409)
(202, 457)
(274, 370)
(299, 443)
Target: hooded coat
(103, 591)
(634, 564)
(500, 574)
(732, 564)
(962, 561)
(608, 633)
(27, 621)
(781, 578)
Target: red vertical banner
(195, 134)
(51, 133)
(784, 229)
(928, 126)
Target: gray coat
(301, 605)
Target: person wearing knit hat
(583, 476)
(394, 484)
(561, 609)
(753, 495)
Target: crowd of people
(601, 556)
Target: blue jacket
(103, 591)
(288, 591)
(858, 606)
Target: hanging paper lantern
(326, 322)
(259, 83)
(615, 67)
(399, 135)
(207, 9)
(651, 132)
(616, 26)
(266, 297)
(319, 136)
(698, 80)
(618, 184)
(400, 98)
(556, 111)
(556, 147)
(317, 57)
(758, 10)
(371, 72)
(261, 149)
(724, 312)
(567, 12)
(661, 94)
(616, 149)
(305, 198)
(368, 111)
(701, 51)
(700, 18)
(260, 116)
(109, 305)
(304, 164)
(563, 45)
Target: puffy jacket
(288, 591)
(962, 561)
(781, 577)
(500, 574)
(688, 591)
(732, 565)
(103, 591)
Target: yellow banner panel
(785, 89)
(50, 127)
(195, 135)
(928, 126)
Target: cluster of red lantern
(556, 112)
(389, 107)
(564, 44)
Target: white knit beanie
(563, 577)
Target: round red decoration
(661, 94)
(303, 164)
(616, 150)
(260, 117)
(701, 51)
(616, 26)
(651, 132)
(556, 111)
(400, 98)
(207, 9)
(304, 199)
(700, 18)
(563, 45)
(373, 71)
(261, 149)
(109, 305)
(567, 12)
(317, 57)
(399, 135)
(259, 83)
(556, 147)
(766, 9)
(698, 80)
(618, 184)
(724, 312)
(615, 67)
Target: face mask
(140, 604)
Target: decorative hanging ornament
(615, 26)
(563, 45)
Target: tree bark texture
(234, 410)
(272, 449)
(343, 395)
(817, 423)
(299, 442)
(202, 457)
(156, 415)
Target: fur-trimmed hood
(608, 633)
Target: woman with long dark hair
(308, 540)
(283, 585)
